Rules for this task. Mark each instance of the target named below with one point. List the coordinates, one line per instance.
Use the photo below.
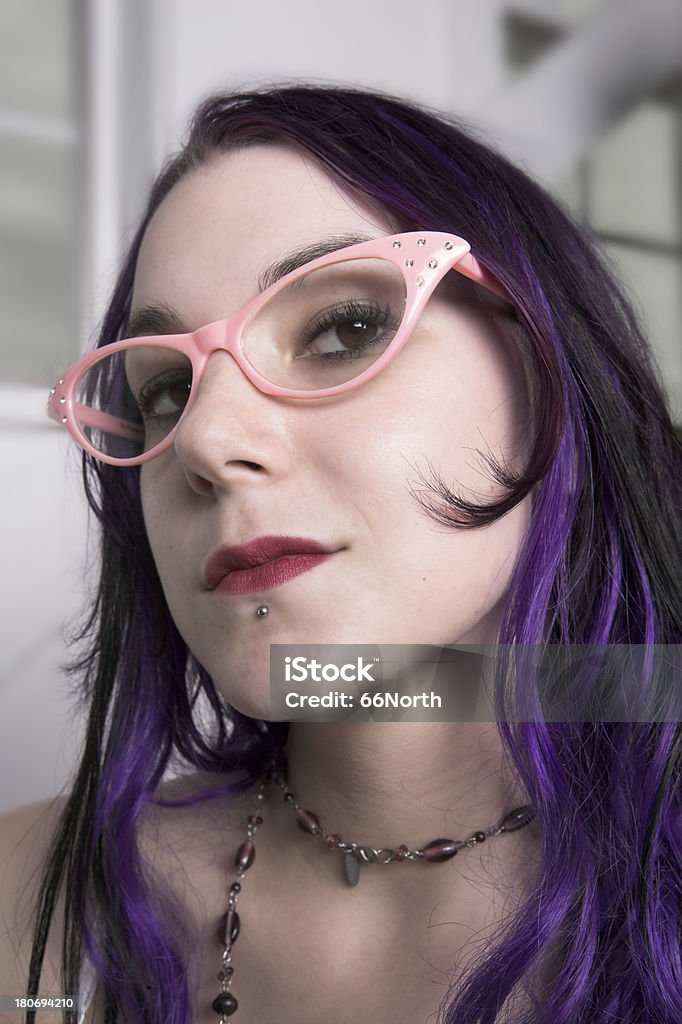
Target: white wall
(42, 551)
(445, 54)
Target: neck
(387, 783)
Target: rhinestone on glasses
(409, 263)
(449, 245)
(396, 244)
(421, 241)
(432, 264)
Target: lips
(262, 564)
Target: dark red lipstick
(262, 564)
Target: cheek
(452, 398)
(153, 507)
(482, 393)
(163, 517)
(468, 397)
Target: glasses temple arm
(470, 267)
(101, 420)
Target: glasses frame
(423, 258)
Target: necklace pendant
(352, 865)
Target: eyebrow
(306, 254)
(160, 318)
(156, 319)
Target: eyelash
(347, 312)
(152, 388)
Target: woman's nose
(232, 432)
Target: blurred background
(586, 95)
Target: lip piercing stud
(262, 611)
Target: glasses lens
(128, 402)
(328, 326)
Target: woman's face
(336, 471)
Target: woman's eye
(348, 330)
(164, 396)
(347, 335)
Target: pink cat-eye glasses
(321, 330)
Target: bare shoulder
(199, 800)
(25, 836)
(186, 832)
(183, 837)
(191, 816)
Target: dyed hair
(598, 566)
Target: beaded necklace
(356, 855)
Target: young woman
(385, 392)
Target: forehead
(224, 223)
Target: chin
(249, 698)
(241, 678)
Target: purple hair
(598, 567)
